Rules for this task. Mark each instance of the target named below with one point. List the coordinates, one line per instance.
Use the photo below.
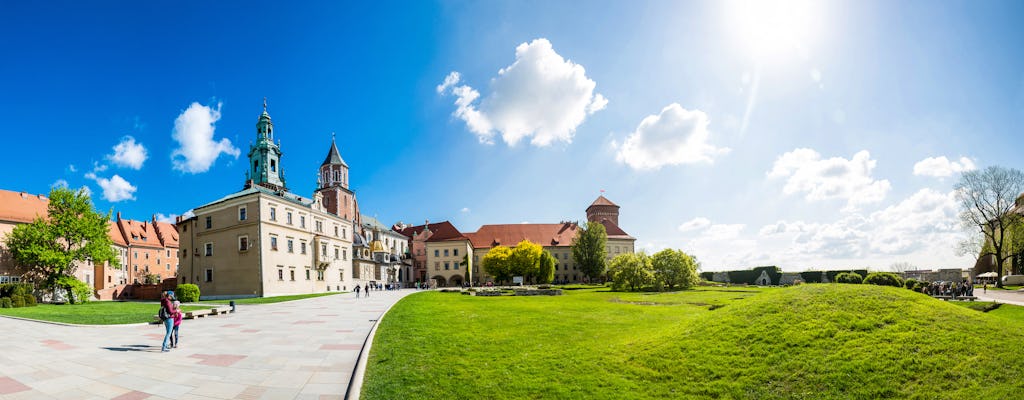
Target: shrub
(30, 300)
(811, 276)
(884, 279)
(7, 289)
(5, 302)
(78, 292)
(849, 277)
(18, 301)
(187, 293)
(910, 283)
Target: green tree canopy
(525, 260)
(631, 270)
(589, 249)
(546, 274)
(73, 231)
(496, 263)
(675, 268)
(988, 199)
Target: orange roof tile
(22, 207)
(139, 233)
(511, 234)
(602, 201)
(167, 233)
(115, 234)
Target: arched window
(273, 166)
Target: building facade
(266, 241)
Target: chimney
(118, 215)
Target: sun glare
(774, 29)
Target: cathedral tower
(332, 184)
(265, 156)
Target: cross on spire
(264, 103)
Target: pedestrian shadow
(133, 347)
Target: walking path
(304, 349)
(1014, 297)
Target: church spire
(265, 155)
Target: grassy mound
(809, 341)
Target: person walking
(357, 291)
(367, 289)
(167, 318)
(177, 322)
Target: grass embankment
(268, 300)
(808, 341)
(93, 313)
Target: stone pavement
(305, 349)
(1015, 297)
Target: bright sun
(774, 29)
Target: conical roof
(602, 201)
(333, 157)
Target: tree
(988, 203)
(47, 249)
(674, 268)
(902, 266)
(546, 272)
(632, 270)
(588, 249)
(496, 263)
(525, 260)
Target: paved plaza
(305, 349)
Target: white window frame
(247, 244)
(243, 213)
(208, 249)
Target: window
(302, 247)
(323, 250)
(209, 222)
(307, 274)
(288, 217)
(241, 213)
(273, 165)
(335, 231)
(437, 253)
(292, 274)
(243, 243)
(437, 266)
(556, 256)
(319, 226)
(209, 249)
(344, 233)
(336, 250)
(302, 221)
(280, 273)
(146, 255)
(136, 255)
(446, 252)
(455, 266)
(344, 254)
(209, 275)
(168, 267)
(446, 266)
(291, 246)
(273, 213)
(168, 252)
(319, 275)
(273, 243)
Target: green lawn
(275, 299)
(809, 341)
(93, 313)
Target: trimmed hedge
(18, 301)
(708, 276)
(884, 279)
(849, 277)
(5, 302)
(910, 283)
(8, 289)
(187, 293)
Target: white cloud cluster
(128, 153)
(941, 167)
(695, 224)
(703, 228)
(834, 178)
(541, 95)
(197, 150)
(925, 221)
(674, 136)
(115, 188)
(160, 217)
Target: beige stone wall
(452, 253)
(266, 269)
(6, 263)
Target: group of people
(952, 289)
(170, 316)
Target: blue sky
(794, 133)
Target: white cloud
(60, 183)
(97, 167)
(197, 150)
(128, 154)
(674, 136)
(464, 210)
(695, 224)
(724, 231)
(541, 95)
(834, 178)
(160, 217)
(71, 168)
(115, 188)
(942, 167)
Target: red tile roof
(139, 233)
(510, 235)
(167, 233)
(602, 201)
(115, 234)
(614, 232)
(22, 207)
(440, 231)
